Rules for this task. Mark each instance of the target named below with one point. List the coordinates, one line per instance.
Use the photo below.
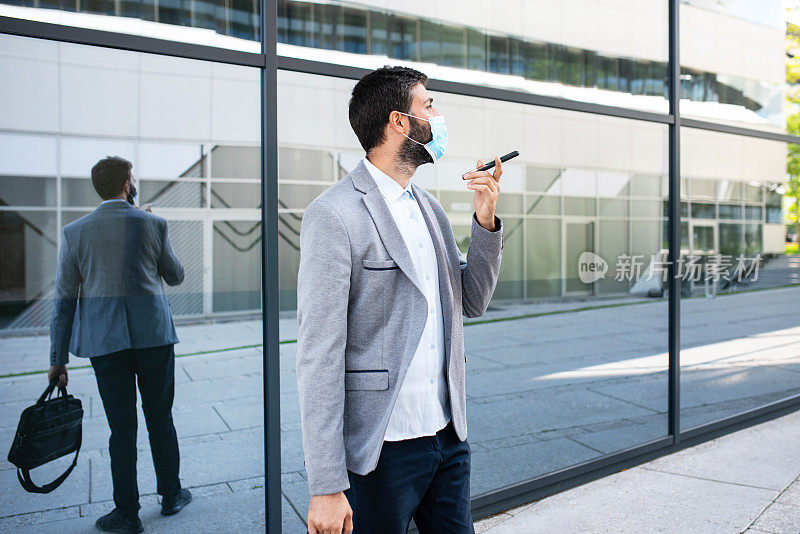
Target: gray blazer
(110, 266)
(361, 312)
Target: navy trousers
(425, 478)
(117, 375)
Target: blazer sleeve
(482, 266)
(169, 266)
(65, 299)
(323, 290)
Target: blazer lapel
(384, 222)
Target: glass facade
(560, 371)
(728, 73)
(231, 24)
(377, 32)
(191, 130)
(727, 370)
(542, 395)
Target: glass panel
(580, 238)
(729, 190)
(543, 274)
(614, 242)
(730, 239)
(646, 208)
(542, 205)
(173, 193)
(234, 24)
(105, 272)
(579, 206)
(704, 189)
(753, 213)
(613, 208)
(555, 56)
(543, 179)
(703, 211)
(303, 164)
(511, 279)
(27, 191)
(730, 211)
(237, 266)
(724, 370)
(616, 356)
(774, 215)
(232, 195)
(733, 65)
(752, 192)
(476, 50)
(703, 239)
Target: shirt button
(412, 215)
(420, 245)
(433, 380)
(432, 345)
(427, 277)
(431, 311)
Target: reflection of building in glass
(582, 182)
(191, 130)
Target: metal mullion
(269, 268)
(738, 130)
(674, 283)
(124, 41)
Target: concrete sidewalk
(747, 481)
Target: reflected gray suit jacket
(361, 312)
(110, 266)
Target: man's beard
(410, 154)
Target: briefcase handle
(62, 392)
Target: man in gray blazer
(110, 306)
(381, 290)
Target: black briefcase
(49, 429)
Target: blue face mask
(438, 144)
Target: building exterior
(577, 186)
(565, 377)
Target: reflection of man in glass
(110, 269)
(381, 290)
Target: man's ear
(396, 122)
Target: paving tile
(779, 519)
(770, 447)
(624, 503)
(791, 495)
(74, 491)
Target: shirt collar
(388, 187)
(114, 200)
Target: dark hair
(109, 176)
(375, 96)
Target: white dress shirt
(422, 406)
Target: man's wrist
(489, 224)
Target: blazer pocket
(380, 265)
(377, 380)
